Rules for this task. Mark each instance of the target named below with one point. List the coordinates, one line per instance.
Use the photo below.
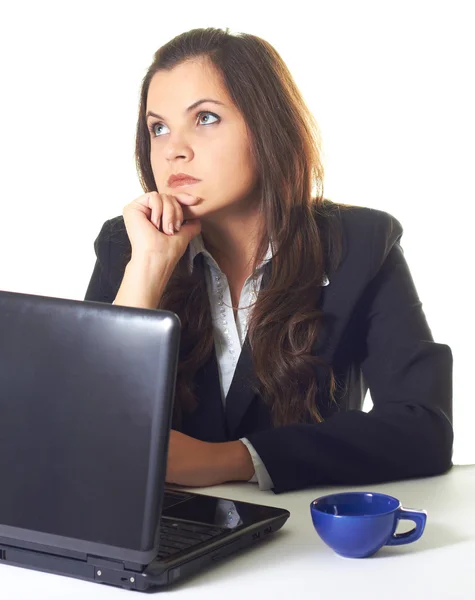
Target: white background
(390, 84)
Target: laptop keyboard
(177, 536)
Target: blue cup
(358, 524)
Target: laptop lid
(86, 396)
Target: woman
(291, 305)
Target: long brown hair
(286, 147)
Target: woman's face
(210, 142)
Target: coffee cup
(358, 524)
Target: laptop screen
(86, 392)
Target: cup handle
(419, 517)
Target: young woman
(291, 305)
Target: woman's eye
(154, 126)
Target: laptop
(86, 398)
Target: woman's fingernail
(170, 228)
(177, 225)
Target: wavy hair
(285, 321)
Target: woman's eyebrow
(189, 109)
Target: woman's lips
(183, 182)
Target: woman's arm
(408, 433)
(143, 281)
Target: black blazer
(378, 339)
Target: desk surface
(294, 562)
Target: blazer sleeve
(408, 433)
(100, 288)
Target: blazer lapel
(207, 422)
(241, 394)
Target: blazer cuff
(261, 475)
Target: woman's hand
(192, 462)
(147, 220)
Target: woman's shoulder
(112, 244)
(113, 233)
(117, 232)
(366, 233)
(360, 219)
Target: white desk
(294, 563)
